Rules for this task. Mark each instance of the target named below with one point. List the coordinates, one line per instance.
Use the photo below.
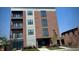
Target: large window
(45, 32)
(29, 13)
(30, 22)
(44, 22)
(43, 13)
(30, 31)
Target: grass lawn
(54, 48)
(32, 49)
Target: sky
(4, 21)
(67, 18)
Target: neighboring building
(32, 26)
(71, 37)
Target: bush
(55, 45)
(34, 47)
(30, 48)
(14, 49)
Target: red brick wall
(24, 29)
(74, 38)
(52, 23)
(38, 24)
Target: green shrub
(14, 49)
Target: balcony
(17, 35)
(17, 26)
(17, 16)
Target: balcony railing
(16, 16)
(17, 36)
(16, 26)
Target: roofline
(69, 31)
(36, 7)
(33, 8)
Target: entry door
(58, 42)
(43, 42)
(62, 41)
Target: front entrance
(18, 44)
(58, 42)
(43, 42)
(62, 41)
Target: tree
(4, 42)
(54, 38)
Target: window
(44, 22)
(30, 22)
(29, 13)
(43, 13)
(45, 32)
(30, 31)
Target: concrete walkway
(43, 49)
(64, 48)
(18, 50)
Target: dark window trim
(45, 33)
(29, 13)
(44, 23)
(43, 13)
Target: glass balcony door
(17, 25)
(17, 35)
(17, 15)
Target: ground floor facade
(41, 42)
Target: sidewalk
(43, 49)
(64, 48)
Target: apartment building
(71, 37)
(32, 26)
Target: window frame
(29, 13)
(30, 31)
(45, 32)
(43, 13)
(44, 22)
(30, 21)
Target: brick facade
(71, 37)
(37, 18)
